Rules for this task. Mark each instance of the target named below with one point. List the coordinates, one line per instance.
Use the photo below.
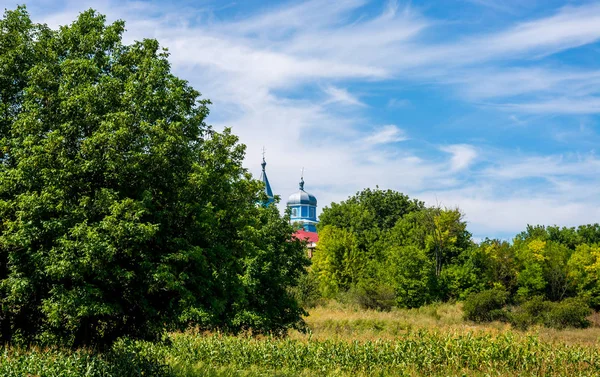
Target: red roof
(308, 236)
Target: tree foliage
(122, 211)
(337, 261)
(425, 254)
(409, 271)
(397, 245)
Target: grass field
(335, 321)
(342, 341)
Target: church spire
(265, 180)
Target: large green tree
(122, 212)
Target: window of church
(294, 212)
(312, 212)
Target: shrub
(536, 307)
(485, 306)
(520, 320)
(307, 291)
(571, 312)
(530, 312)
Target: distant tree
(531, 232)
(369, 213)
(589, 234)
(337, 260)
(409, 272)
(441, 232)
(122, 212)
(447, 236)
(465, 275)
(567, 237)
(584, 272)
(530, 278)
(556, 270)
(365, 219)
(500, 264)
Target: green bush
(486, 306)
(570, 312)
(529, 313)
(307, 291)
(520, 320)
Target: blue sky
(488, 105)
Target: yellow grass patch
(342, 322)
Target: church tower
(304, 208)
(265, 180)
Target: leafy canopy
(122, 212)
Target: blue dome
(302, 197)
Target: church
(303, 209)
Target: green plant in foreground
(417, 353)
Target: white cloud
(290, 17)
(494, 83)
(463, 155)
(493, 4)
(386, 134)
(488, 215)
(244, 66)
(571, 27)
(398, 103)
(340, 95)
(583, 105)
(547, 167)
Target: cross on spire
(302, 179)
(264, 163)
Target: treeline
(383, 249)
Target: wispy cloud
(386, 134)
(570, 27)
(340, 95)
(398, 102)
(585, 105)
(268, 71)
(548, 167)
(493, 4)
(487, 83)
(463, 155)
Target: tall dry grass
(345, 322)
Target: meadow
(340, 341)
